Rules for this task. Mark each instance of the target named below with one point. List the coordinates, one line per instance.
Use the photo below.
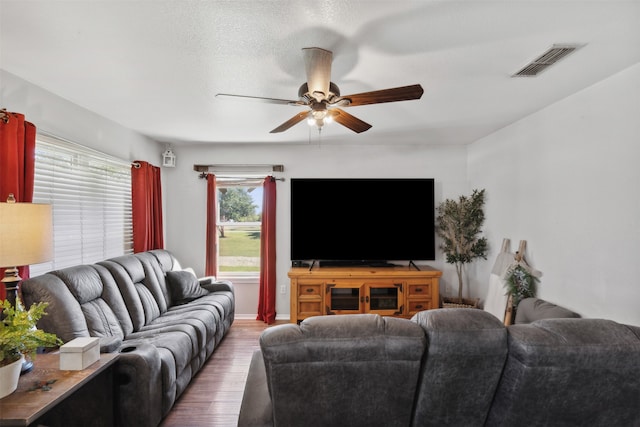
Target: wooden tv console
(388, 291)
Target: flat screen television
(358, 221)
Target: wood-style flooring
(214, 395)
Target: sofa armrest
(219, 285)
(256, 409)
(138, 388)
(109, 344)
(206, 280)
(531, 309)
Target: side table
(76, 398)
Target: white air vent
(544, 61)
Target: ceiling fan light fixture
(323, 97)
(319, 116)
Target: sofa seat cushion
(203, 322)
(221, 302)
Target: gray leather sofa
(164, 322)
(444, 367)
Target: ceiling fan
(322, 96)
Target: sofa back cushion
(154, 280)
(166, 260)
(355, 370)
(166, 263)
(143, 286)
(101, 303)
(466, 351)
(570, 372)
(122, 275)
(64, 315)
(83, 301)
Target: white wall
(566, 180)
(186, 193)
(64, 119)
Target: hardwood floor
(213, 397)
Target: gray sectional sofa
(444, 367)
(164, 322)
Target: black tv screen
(362, 220)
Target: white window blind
(90, 194)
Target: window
(90, 194)
(239, 226)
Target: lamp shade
(25, 234)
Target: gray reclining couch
(164, 322)
(444, 367)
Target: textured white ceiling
(155, 66)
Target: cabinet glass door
(384, 299)
(343, 300)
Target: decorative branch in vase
(459, 224)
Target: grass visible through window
(239, 249)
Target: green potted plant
(459, 225)
(521, 283)
(19, 337)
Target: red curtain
(146, 206)
(267, 297)
(17, 164)
(211, 253)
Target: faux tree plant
(459, 224)
(18, 332)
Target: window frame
(231, 182)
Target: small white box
(79, 353)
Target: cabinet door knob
(309, 289)
(419, 306)
(418, 289)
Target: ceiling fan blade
(261, 99)
(291, 122)
(347, 120)
(404, 93)
(317, 63)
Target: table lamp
(25, 239)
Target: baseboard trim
(285, 316)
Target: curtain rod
(204, 175)
(247, 168)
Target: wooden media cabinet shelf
(388, 291)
